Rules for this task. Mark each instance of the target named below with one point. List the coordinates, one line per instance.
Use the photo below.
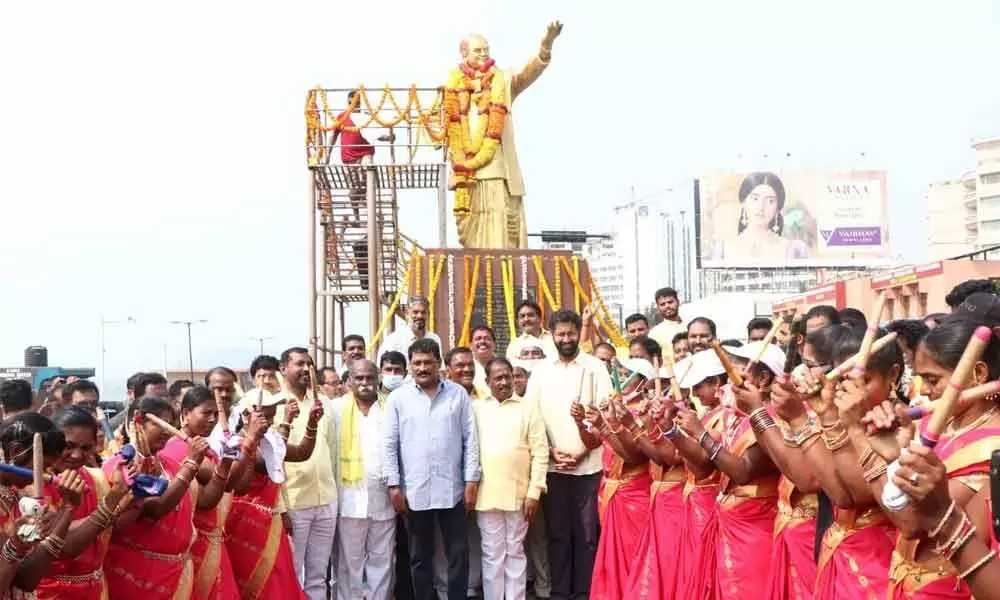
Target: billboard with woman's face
(791, 219)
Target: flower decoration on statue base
(469, 150)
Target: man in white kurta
(367, 526)
(416, 329)
(514, 454)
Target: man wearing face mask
(416, 329)
(367, 525)
(392, 372)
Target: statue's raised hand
(553, 31)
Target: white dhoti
(367, 551)
(505, 566)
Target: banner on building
(791, 219)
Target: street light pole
(261, 340)
(188, 324)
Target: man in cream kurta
(514, 454)
(496, 218)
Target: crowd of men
(565, 468)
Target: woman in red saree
(792, 571)
(623, 495)
(918, 572)
(25, 561)
(857, 547)
(747, 505)
(258, 546)
(654, 574)
(213, 573)
(150, 552)
(79, 571)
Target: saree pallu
(746, 530)
(213, 572)
(967, 459)
(854, 560)
(623, 508)
(792, 575)
(654, 575)
(258, 547)
(151, 560)
(745, 515)
(81, 577)
(696, 572)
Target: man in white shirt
(416, 329)
(669, 306)
(367, 524)
(575, 467)
(529, 323)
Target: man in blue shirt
(432, 467)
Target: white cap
(639, 365)
(260, 397)
(663, 373)
(530, 341)
(704, 364)
(772, 358)
(527, 364)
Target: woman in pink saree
(623, 495)
(654, 573)
(965, 446)
(857, 548)
(695, 569)
(213, 572)
(792, 570)
(747, 504)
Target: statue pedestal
(560, 280)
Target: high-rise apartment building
(963, 215)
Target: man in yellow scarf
(367, 526)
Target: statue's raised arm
(527, 75)
(485, 173)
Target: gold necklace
(956, 433)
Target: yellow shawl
(352, 464)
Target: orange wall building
(914, 291)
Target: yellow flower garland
(470, 151)
(435, 275)
(470, 302)
(543, 287)
(418, 283)
(489, 291)
(508, 293)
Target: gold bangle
(836, 442)
(978, 564)
(809, 441)
(865, 457)
(875, 472)
(933, 533)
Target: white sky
(152, 164)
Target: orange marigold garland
(468, 150)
